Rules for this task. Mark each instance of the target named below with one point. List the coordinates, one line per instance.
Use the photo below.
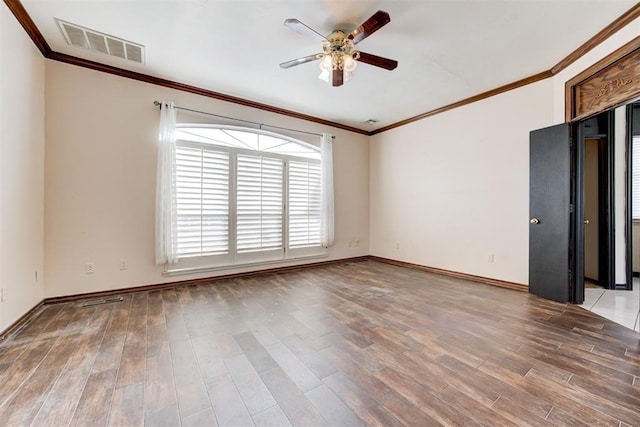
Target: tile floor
(622, 307)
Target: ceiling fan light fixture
(337, 60)
(339, 56)
(325, 75)
(326, 67)
(350, 63)
(326, 64)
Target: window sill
(169, 272)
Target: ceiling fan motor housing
(337, 46)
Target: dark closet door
(549, 205)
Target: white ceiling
(447, 50)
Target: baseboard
(21, 322)
(160, 286)
(470, 277)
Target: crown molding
(97, 66)
(18, 10)
(594, 41)
(484, 95)
(38, 39)
(625, 19)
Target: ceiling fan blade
(302, 60)
(337, 78)
(378, 61)
(301, 28)
(370, 26)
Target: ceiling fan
(339, 56)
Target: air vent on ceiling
(96, 41)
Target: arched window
(249, 139)
(245, 195)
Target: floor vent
(102, 301)
(75, 35)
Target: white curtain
(166, 221)
(326, 200)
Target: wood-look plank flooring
(349, 344)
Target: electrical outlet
(3, 295)
(90, 267)
(397, 245)
(357, 243)
(491, 257)
(124, 264)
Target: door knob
(534, 221)
(586, 222)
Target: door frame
(607, 228)
(606, 205)
(611, 82)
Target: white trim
(233, 259)
(194, 270)
(248, 130)
(246, 151)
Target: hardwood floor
(349, 344)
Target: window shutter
(304, 204)
(635, 178)
(202, 185)
(259, 203)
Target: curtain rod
(159, 104)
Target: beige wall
(452, 190)
(100, 178)
(21, 170)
